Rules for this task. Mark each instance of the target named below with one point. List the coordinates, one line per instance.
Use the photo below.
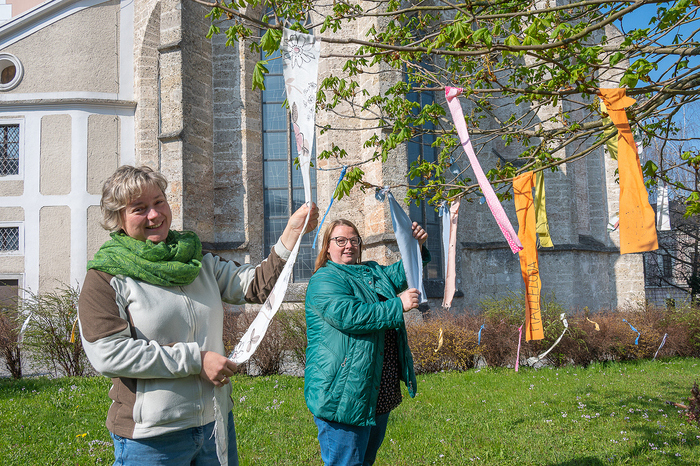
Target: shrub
(9, 338)
(458, 342)
(286, 334)
(48, 333)
(293, 324)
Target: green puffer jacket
(345, 324)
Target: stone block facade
(183, 104)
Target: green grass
(604, 414)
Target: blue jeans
(189, 447)
(345, 445)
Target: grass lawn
(604, 414)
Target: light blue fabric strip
(408, 247)
(636, 342)
(318, 228)
(482, 327)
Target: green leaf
(259, 73)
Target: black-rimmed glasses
(341, 241)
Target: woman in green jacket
(357, 345)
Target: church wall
(56, 59)
(55, 155)
(54, 257)
(76, 125)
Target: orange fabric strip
(529, 264)
(637, 220)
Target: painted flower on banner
(310, 99)
(253, 340)
(298, 50)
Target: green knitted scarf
(173, 262)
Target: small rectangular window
(9, 239)
(667, 266)
(9, 290)
(9, 150)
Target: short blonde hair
(322, 257)
(125, 185)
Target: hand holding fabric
(410, 299)
(419, 233)
(295, 225)
(216, 368)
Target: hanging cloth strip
(300, 54)
(610, 133)
(451, 274)
(637, 229)
(663, 342)
(440, 341)
(499, 214)
(541, 213)
(636, 341)
(478, 342)
(663, 219)
(534, 360)
(597, 327)
(520, 340)
(318, 228)
(408, 246)
(529, 264)
(444, 213)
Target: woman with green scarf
(151, 318)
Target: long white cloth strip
(499, 214)
(444, 213)
(451, 275)
(300, 53)
(663, 342)
(663, 219)
(408, 247)
(534, 360)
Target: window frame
(20, 123)
(437, 282)
(20, 282)
(20, 232)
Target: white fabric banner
(444, 213)
(300, 53)
(663, 218)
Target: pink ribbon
(495, 206)
(520, 339)
(451, 274)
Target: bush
(459, 343)
(581, 344)
(285, 335)
(48, 333)
(293, 323)
(9, 338)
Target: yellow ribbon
(72, 333)
(597, 327)
(541, 213)
(439, 341)
(610, 133)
